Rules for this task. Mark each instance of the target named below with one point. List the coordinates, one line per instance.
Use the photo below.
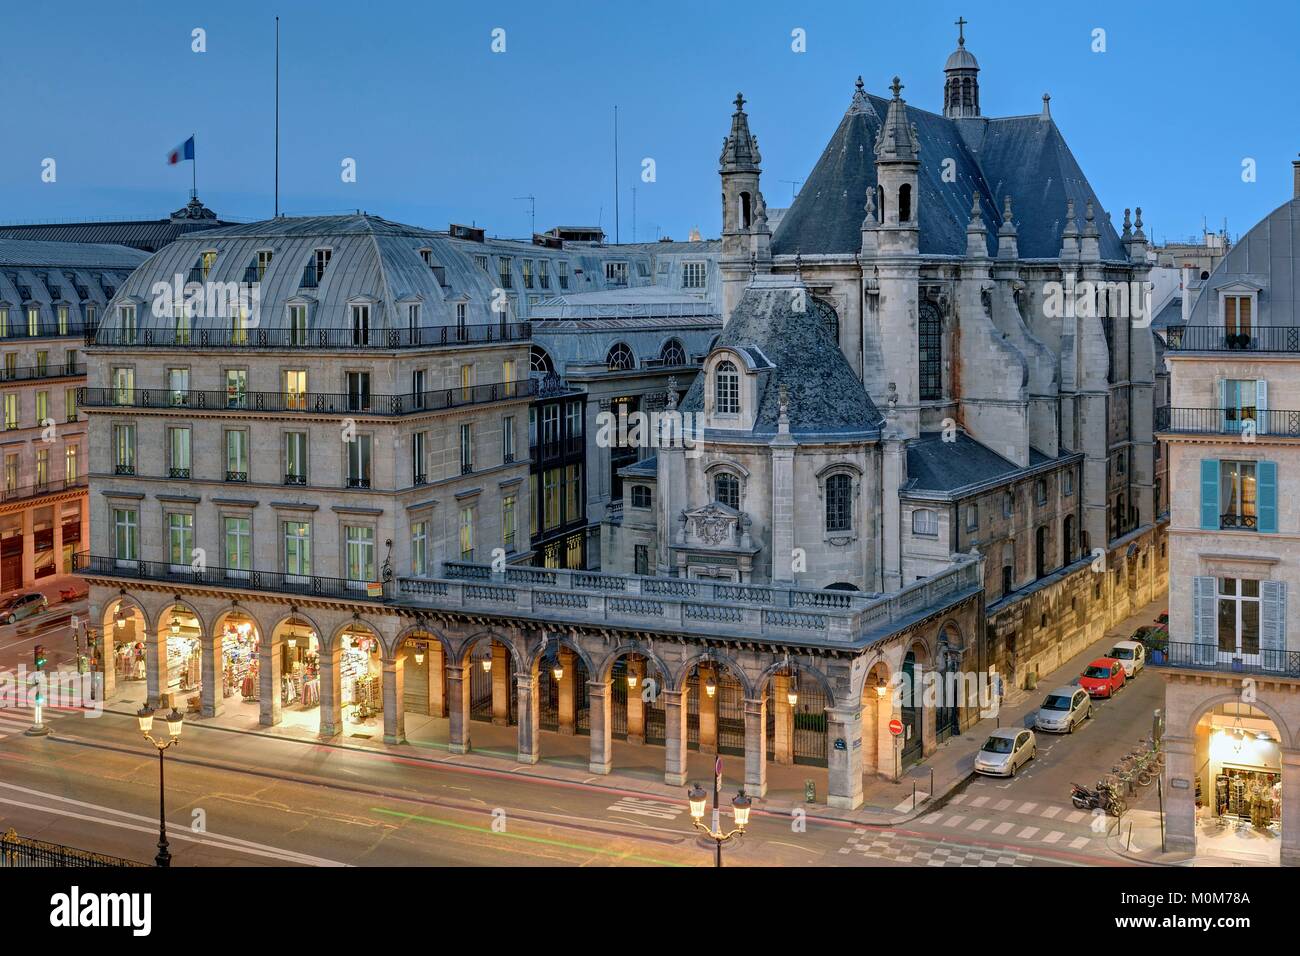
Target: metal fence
(294, 339)
(1229, 421)
(17, 851)
(1209, 657)
(1216, 338)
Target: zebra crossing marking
(1027, 833)
(1002, 828)
(1054, 837)
(978, 824)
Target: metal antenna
(616, 174)
(532, 213)
(794, 187)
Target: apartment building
(52, 294)
(1232, 673)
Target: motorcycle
(1105, 797)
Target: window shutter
(1204, 621)
(1272, 624)
(1209, 494)
(1266, 489)
(1261, 406)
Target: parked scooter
(1106, 797)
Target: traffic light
(38, 655)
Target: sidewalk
(639, 769)
(1137, 839)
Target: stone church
(897, 380)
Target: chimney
(1295, 177)
(1187, 293)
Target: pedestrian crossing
(914, 851)
(15, 721)
(1045, 827)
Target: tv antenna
(532, 214)
(794, 187)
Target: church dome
(961, 59)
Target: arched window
(726, 389)
(1068, 543)
(620, 358)
(905, 202)
(539, 361)
(726, 489)
(839, 503)
(1008, 568)
(880, 201)
(744, 210)
(673, 353)
(925, 522)
(830, 319)
(930, 352)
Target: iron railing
(1208, 656)
(17, 851)
(45, 329)
(36, 489)
(1212, 338)
(237, 578)
(321, 403)
(344, 339)
(1229, 421)
(28, 373)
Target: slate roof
(797, 350)
(937, 465)
(149, 235)
(1025, 156)
(1171, 314)
(1266, 257)
(36, 254)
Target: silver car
(21, 606)
(1006, 751)
(1063, 710)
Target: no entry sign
(896, 727)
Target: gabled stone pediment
(715, 525)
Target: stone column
(1180, 801)
(58, 541)
(458, 707)
(394, 700)
(84, 543)
(269, 655)
(155, 665)
(783, 732)
(844, 766)
(107, 647)
(526, 685)
(708, 712)
(437, 680)
(675, 737)
(927, 684)
(755, 747)
(1290, 808)
(29, 548)
(567, 686)
(210, 670)
(331, 690)
(635, 705)
(500, 685)
(602, 746)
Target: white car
(1132, 655)
(1063, 710)
(1006, 751)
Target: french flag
(184, 151)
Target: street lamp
(174, 720)
(740, 806)
(881, 687)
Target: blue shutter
(1204, 621)
(1266, 490)
(1272, 624)
(1209, 494)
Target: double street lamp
(740, 806)
(174, 720)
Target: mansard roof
(800, 353)
(1264, 258)
(1023, 156)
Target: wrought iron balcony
(1212, 338)
(291, 339)
(178, 473)
(36, 489)
(321, 403)
(236, 476)
(359, 482)
(124, 470)
(239, 579)
(295, 479)
(29, 373)
(1244, 422)
(1282, 663)
(1235, 522)
(44, 329)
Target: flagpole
(194, 173)
(277, 117)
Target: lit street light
(145, 716)
(740, 805)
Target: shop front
(184, 671)
(240, 662)
(1240, 785)
(361, 676)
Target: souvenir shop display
(249, 687)
(301, 669)
(129, 661)
(360, 673)
(184, 668)
(239, 650)
(1249, 795)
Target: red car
(1103, 677)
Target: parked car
(1063, 710)
(1132, 654)
(1006, 751)
(1103, 677)
(22, 605)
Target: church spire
(740, 148)
(897, 140)
(961, 87)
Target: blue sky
(442, 129)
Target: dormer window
(620, 358)
(322, 262)
(1238, 319)
(616, 273)
(426, 256)
(726, 389)
(360, 314)
(208, 261)
(263, 263)
(726, 490)
(127, 315)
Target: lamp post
(174, 720)
(740, 805)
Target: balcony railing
(1248, 422)
(320, 403)
(1209, 657)
(36, 489)
(1211, 338)
(344, 339)
(234, 578)
(45, 329)
(29, 373)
